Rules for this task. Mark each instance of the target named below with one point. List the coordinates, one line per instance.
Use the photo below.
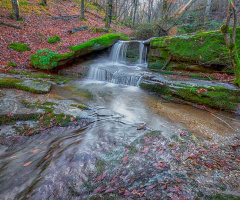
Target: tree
(208, 7)
(15, 7)
(230, 39)
(82, 9)
(109, 13)
(164, 26)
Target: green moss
(43, 59)
(49, 118)
(206, 48)
(79, 106)
(215, 97)
(13, 72)
(12, 64)
(53, 40)
(47, 59)
(20, 47)
(16, 84)
(17, 117)
(96, 43)
(222, 197)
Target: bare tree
(230, 40)
(82, 9)
(109, 13)
(208, 7)
(15, 7)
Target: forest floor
(37, 25)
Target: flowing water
(57, 162)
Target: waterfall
(142, 53)
(116, 70)
(119, 52)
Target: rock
(33, 86)
(37, 86)
(142, 127)
(82, 28)
(95, 44)
(201, 92)
(102, 30)
(206, 49)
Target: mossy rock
(102, 30)
(215, 97)
(206, 49)
(20, 47)
(47, 59)
(53, 40)
(26, 85)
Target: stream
(78, 162)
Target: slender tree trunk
(82, 9)
(15, 7)
(164, 14)
(135, 2)
(109, 13)
(207, 10)
(230, 40)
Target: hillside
(38, 25)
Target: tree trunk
(207, 10)
(164, 14)
(230, 40)
(82, 9)
(109, 13)
(15, 7)
(135, 3)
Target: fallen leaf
(34, 151)
(145, 150)
(97, 190)
(151, 187)
(125, 160)
(26, 164)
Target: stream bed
(130, 145)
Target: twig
(65, 16)
(10, 25)
(223, 121)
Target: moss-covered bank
(215, 97)
(47, 59)
(206, 49)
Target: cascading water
(116, 70)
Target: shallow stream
(58, 163)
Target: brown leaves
(100, 178)
(145, 150)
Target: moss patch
(207, 48)
(53, 40)
(20, 47)
(21, 85)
